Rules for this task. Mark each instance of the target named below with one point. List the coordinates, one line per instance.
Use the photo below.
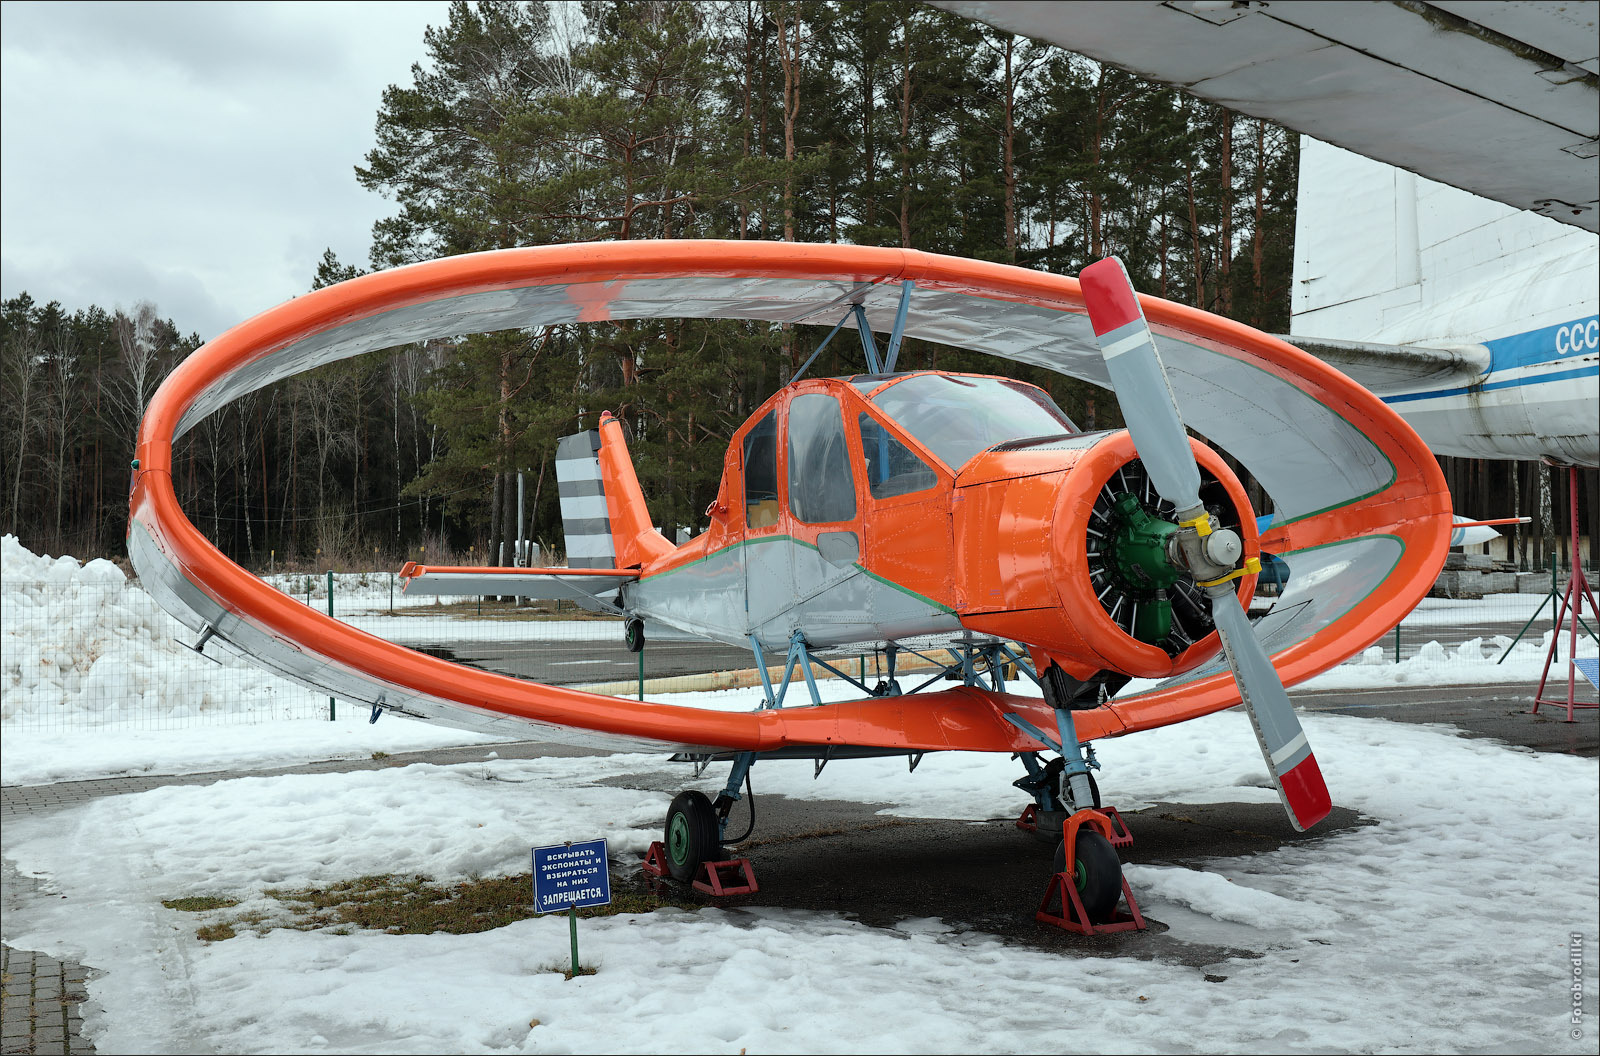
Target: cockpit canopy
(956, 416)
(951, 416)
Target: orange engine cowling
(1055, 543)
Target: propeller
(1208, 554)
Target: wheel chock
(1120, 836)
(1062, 908)
(710, 882)
(655, 860)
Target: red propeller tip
(1306, 793)
(1108, 295)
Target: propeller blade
(1151, 411)
(1140, 382)
(1283, 742)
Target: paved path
(40, 1012)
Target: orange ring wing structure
(1362, 510)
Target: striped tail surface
(584, 518)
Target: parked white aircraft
(1474, 317)
(1476, 321)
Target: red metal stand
(1071, 916)
(709, 881)
(1570, 611)
(1120, 836)
(655, 860)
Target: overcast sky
(197, 155)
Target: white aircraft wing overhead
(1501, 99)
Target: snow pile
(84, 646)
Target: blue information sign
(570, 876)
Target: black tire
(1098, 875)
(692, 835)
(633, 635)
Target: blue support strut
(761, 667)
(893, 353)
(868, 345)
(1075, 775)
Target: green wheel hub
(678, 839)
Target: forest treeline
(886, 123)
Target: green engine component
(1154, 621)
(1138, 548)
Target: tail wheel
(1096, 873)
(692, 835)
(633, 635)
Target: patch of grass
(568, 974)
(414, 905)
(380, 755)
(199, 903)
(215, 932)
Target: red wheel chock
(1062, 908)
(1119, 835)
(709, 882)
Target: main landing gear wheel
(1097, 874)
(693, 834)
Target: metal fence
(85, 649)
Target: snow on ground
(1444, 927)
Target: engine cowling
(1063, 543)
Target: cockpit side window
(892, 467)
(761, 473)
(822, 489)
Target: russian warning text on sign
(570, 876)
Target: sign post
(571, 876)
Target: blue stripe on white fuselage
(1507, 383)
(1544, 345)
(1509, 358)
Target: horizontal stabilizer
(589, 587)
(1389, 369)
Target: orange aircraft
(886, 512)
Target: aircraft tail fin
(603, 511)
(584, 517)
